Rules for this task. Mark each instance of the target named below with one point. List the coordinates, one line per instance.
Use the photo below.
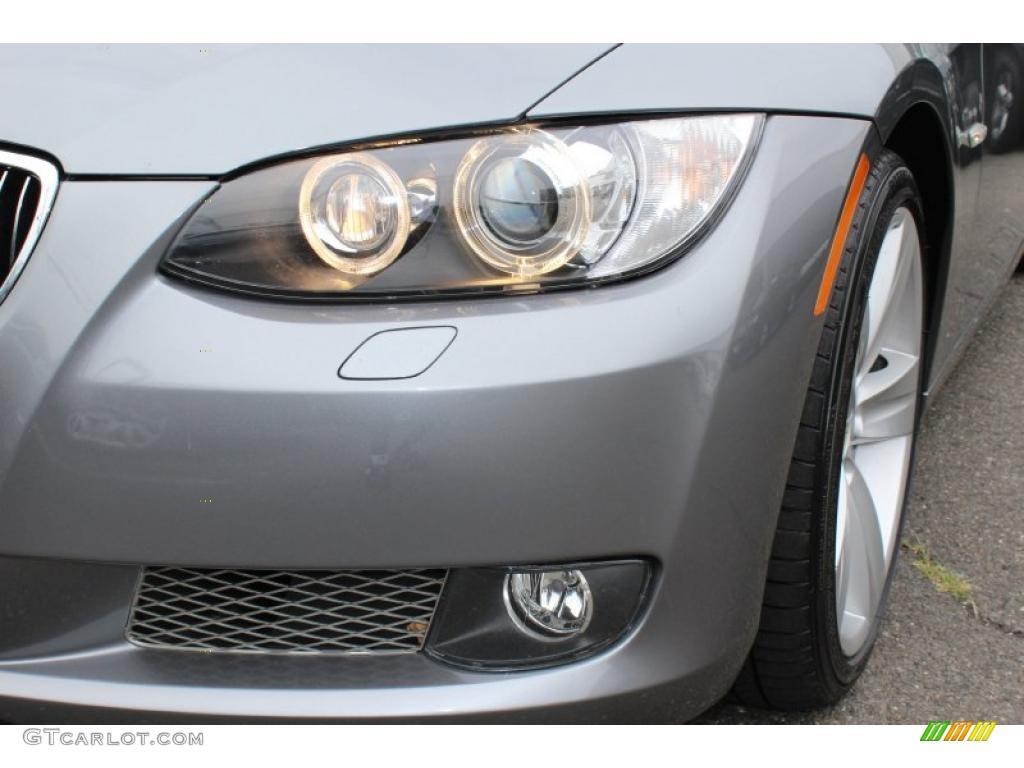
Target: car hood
(173, 109)
(848, 80)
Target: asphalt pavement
(957, 654)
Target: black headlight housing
(514, 210)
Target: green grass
(941, 577)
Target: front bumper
(653, 418)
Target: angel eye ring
(521, 203)
(354, 212)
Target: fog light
(523, 617)
(552, 603)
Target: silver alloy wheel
(879, 431)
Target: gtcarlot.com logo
(70, 738)
(958, 730)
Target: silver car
(512, 382)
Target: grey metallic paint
(168, 109)
(566, 370)
(650, 418)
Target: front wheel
(839, 527)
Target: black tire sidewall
(895, 189)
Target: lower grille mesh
(285, 611)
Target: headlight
(528, 208)
(354, 213)
(522, 203)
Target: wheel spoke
(891, 271)
(851, 623)
(864, 543)
(879, 433)
(843, 582)
(842, 506)
(885, 400)
(842, 556)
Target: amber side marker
(835, 255)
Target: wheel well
(919, 139)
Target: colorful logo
(958, 730)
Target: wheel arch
(915, 120)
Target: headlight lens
(527, 208)
(521, 203)
(354, 213)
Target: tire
(1005, 100)
(798, 660)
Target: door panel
(966, 283)
(1000, 215)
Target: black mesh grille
(285, 611)
(19, 200)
